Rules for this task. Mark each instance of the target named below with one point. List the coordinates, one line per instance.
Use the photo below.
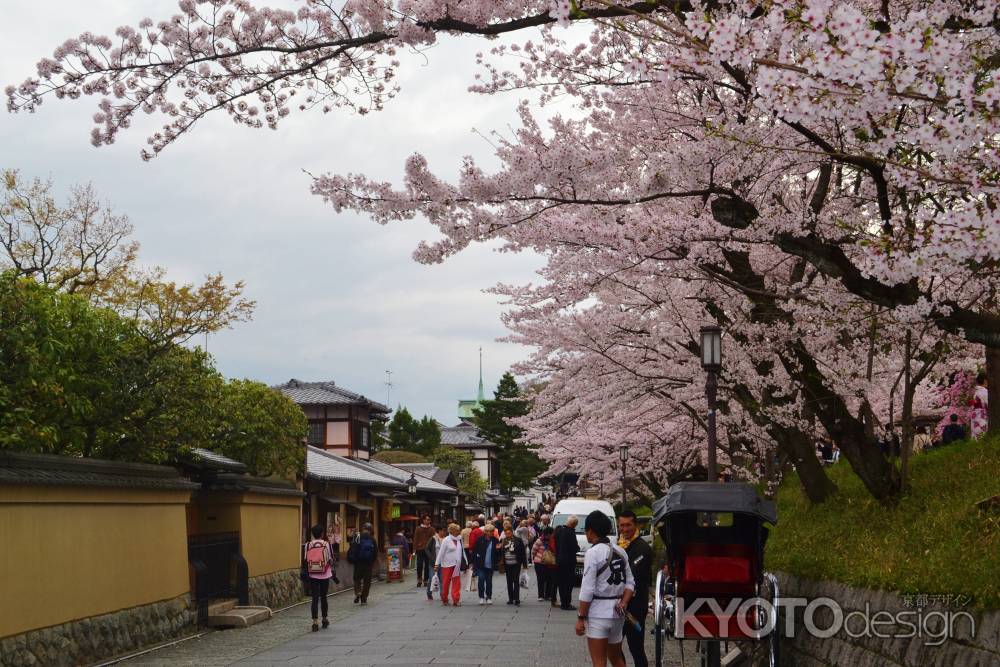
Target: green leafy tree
(379, 437)
(81, 246)
(404, 432)
(459, 462)
(520, 465)
(80, 380)
(262, 428)
(399, 456)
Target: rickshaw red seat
(717, 568)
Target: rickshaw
(713, 589)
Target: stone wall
(93, 639)
(276, 590)
(843, 649)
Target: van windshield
(560, 520)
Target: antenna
(388, 386)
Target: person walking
(566, 550)
(485, 557)
(363, 555)
(319, 567)
(979, 416)
(953, 432)
(640, 562)
(450, 561)
(421, 537)
(515, 557)
(605, 593)
(430, 552)
(542, 568)
(474, 535)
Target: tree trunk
(878, 475)
(907, 417)
(800, 449)
(993, 386)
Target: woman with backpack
(319, 568)
(450, 562)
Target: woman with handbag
(512, 559)
(544, 559)
(450, 562)
(430, 556)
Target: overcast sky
(338, 296)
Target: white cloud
(338, 296)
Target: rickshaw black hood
(733, 497)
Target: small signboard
(394, 563)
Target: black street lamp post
(623, 455)
(411, 484)
(711, 361)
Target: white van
(581, 507)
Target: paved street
(398, 627)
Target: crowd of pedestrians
(614, 592)
(451, 559)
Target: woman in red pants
(449, 563)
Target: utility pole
(388, 387)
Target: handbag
(524, 579)
(435, 583)
(548, 558)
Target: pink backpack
(317, 557)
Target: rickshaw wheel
(658, 643)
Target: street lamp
(623, 455)
(711, 361)
(411, 484)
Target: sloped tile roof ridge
(331, 387)
(362, 473)
(209, 456)
(55, 470)
(405, 474)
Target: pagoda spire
(481, 396)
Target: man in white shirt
(605, 591)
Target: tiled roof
(325, 393)
(245, 483)
(427, 470)
(424, 483)
(216, 460)
(463, 437)
(326, 466)
(46, 469)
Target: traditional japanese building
(339, 419)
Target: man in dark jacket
(953, 432)
(363, 555)
(640, 561)
(566, 548)
(486, 559)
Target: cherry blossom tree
(819, 177)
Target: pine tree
(404, 432)
(519, 464)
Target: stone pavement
(400, 627)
